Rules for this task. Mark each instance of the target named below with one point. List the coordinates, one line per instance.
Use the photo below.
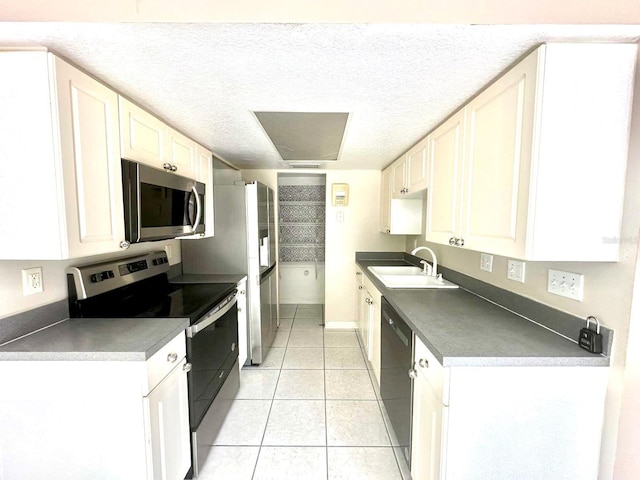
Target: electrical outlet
(566, 284)
(32, 281)
(486, 262)
(515, 270)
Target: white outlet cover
(486, 262)
(515, 270)
(566, 284)
(32, 281)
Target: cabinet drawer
(164, 360)
(432, 371)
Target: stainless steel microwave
(160, 204)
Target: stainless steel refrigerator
(243, 243)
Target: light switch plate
(486, 262)
(515, 270)
(566, 284)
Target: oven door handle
(193, 330)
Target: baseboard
(340, 325)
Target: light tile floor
(309, 411)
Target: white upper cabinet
(182, 154)
(410, 171)
(398, 216)
(399, 175)
(444, 187)
(63, 194)
(544, 151)
(147, 139)
(144, 138)
(416, 176)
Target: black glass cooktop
(154, 298)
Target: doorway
(301, 228)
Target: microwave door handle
(193, 330)
(198, 208)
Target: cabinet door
(90, 147)
(167, 417)
(144, 138)
(497, 163)
(365, 323)
(399, 168)
(182, 154)
(385, 200)
(361, 306)
(426, 434)
(417, 167)
(445, 163)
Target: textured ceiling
(396, 81)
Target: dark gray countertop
(207, 278)
(96, 339)
(463, 329)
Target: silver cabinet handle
(452, 241)
(233, 347)
(174, 168)
(360, 287)
(423, 363)
(388, 231)
(167, 166)
(187, 367)
(391, 322)
(198, 208)
(124, 244)
(172, 357)
(459, 242)
(412, 373)
(221, 375)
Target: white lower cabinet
(96, 419)
(506, 422)
(167, 414)
(368, 311)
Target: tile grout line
(326, 423)
(273, 397)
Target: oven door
(160, 205)
(212, 349)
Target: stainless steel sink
(408, 277)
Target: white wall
(54, 279)
(609, 287)
(358, 232)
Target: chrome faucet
(434, 271)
